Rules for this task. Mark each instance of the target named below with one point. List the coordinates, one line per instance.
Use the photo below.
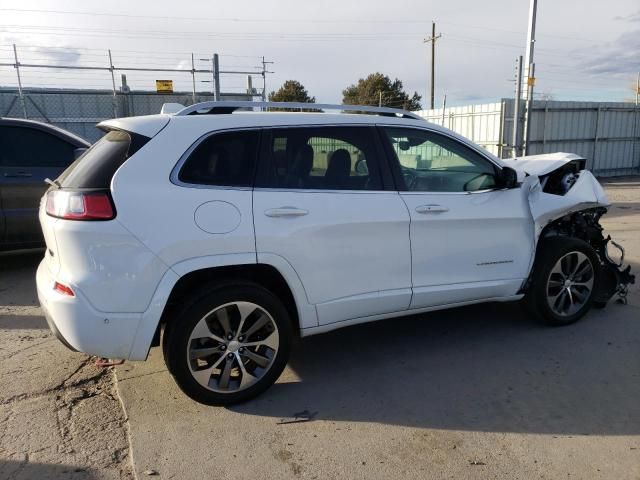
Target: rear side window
(322, 158)
(224, 159)
(96, 167)
(30, 147)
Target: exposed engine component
(560, 181)
(567, 182)
(614, 277)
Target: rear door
(28, 156)
(320, 203)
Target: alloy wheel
(570, 284)
(232, 347)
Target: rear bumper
(82, 328)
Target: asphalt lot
(476, 392)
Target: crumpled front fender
(546, 207)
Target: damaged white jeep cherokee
(233, 231)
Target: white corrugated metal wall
(606, 134)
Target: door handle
(285, 212)
(18, 174)
(431, 209)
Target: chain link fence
(80, 110)
(75, 88)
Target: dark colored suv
(30, 151)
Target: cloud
(48, 55)
(632, 17)
(58, 55)
(622, 56)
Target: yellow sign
(531, 81)
(164, 86)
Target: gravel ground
(468, 393)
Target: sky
(585, 49)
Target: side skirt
(306, 332)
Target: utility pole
(516, 109)
(530, 70)
(380, 98)
(264, 78)
(433, 39)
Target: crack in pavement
(62, 384)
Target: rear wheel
(564, 281)
(228, 345)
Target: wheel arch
(280, 279)
(581, 225)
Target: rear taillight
(80, 205)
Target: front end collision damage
(569, 201)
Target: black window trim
(394, 164)
(174, 176)
(265, 160)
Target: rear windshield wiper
(53, 183)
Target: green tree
(368, 91)
(291, 91)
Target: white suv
(233, 231)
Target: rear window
(96, 167)
(224, 159)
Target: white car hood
(541, 164)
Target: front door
(320, 204)
(470, 239)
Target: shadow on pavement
(19, 322)
(43, 471)
(618, 210)
(21, 259)
(482, 368)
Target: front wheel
(228, 345)
(564, 281)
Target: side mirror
(78, 152)
(508, 178)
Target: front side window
(224, 159)
(30, 147)
(322, 158)
(430, 162)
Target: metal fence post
(544, 127)
(501, 140)
(216, 77)
(20, 94)
(193, 79)
(113, 83)
(595, 140)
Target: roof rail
(218, 108)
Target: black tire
(178, 331)
(550, 251)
